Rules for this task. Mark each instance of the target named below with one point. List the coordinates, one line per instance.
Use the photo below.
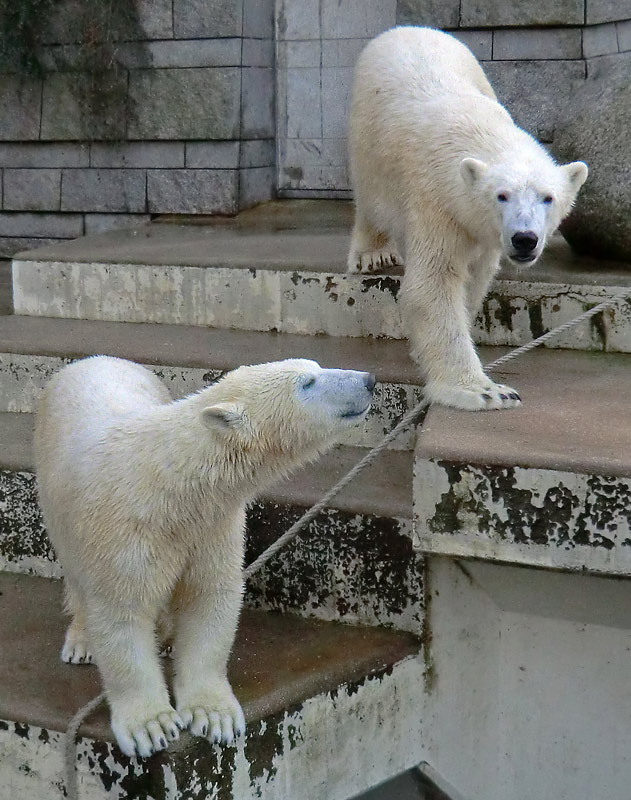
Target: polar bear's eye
(548, 199)
(502, 198)
(308, 383)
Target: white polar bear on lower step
(442, 175)
(144, 500)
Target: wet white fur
(431, 149)
(144, 500)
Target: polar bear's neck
(187, 458)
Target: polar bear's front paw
(483, 396)
(145, 732)
(374, 261)
(75, 649)
(213, 713)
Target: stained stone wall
(535, 53)
(184, 124)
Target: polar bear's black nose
(524, 241)
(370, 381)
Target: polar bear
(444, 177)
(144, 500)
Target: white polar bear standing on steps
(442, 175)
(144, 500)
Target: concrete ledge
(282, 272)
(547, 484)
(340, 674)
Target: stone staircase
(430, 555)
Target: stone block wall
(535, 52)
(184, 124)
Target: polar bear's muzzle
(346, 393)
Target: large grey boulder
(595, 127)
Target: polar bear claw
(138, 735)
(373, 261)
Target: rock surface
(594, 127)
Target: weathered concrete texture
(10, 245)
(533, 91)
(31, 189)
(149, 19)
(196, 19)
(553, 43)
(104, 190)
(24, 544)
(335, 304)
(593, 127)
(20, 103)
(47, 225)
(341, 20)
(44, 154)
(607, 11)
(515, 312)
(356, 568)
(102, 223)
(192, 191)
(547, 484)
(435, 13)
(497, 13)
(94, 107)
(257, 103)
(544, 518)
(185, 103)
(327, 672)
(158, 155)
(212, 155)
(600, 40)
(526, 660)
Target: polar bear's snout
(346, 393)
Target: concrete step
(283, 268)
(547, 484)
(355, 563)
(189, 357)
(331, 710)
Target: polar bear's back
(83, 400)
(419, 63)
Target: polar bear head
(284, 406)
(526, 202)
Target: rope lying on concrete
(412, 416)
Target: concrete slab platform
(304, 235)
(294, 281)
(575, 416)
(38, 688)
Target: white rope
(411, 417)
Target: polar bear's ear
(223, 416)
(472, 169)
(576, 173)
